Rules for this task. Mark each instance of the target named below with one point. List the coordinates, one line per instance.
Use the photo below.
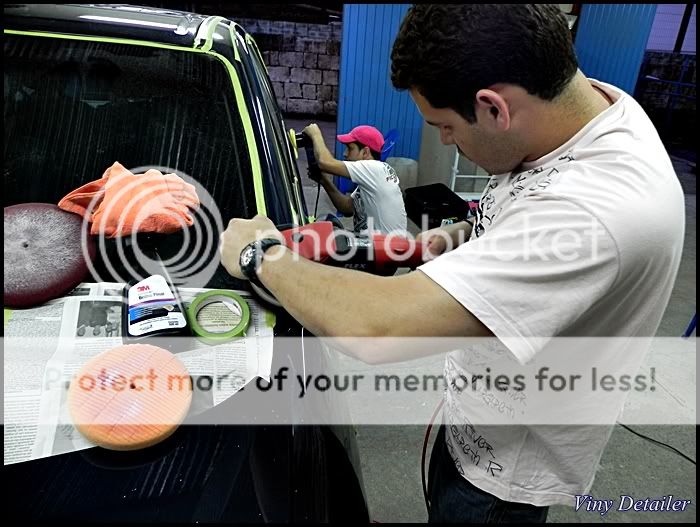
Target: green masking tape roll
(232, 301)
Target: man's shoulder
(371, 172)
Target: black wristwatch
(252, 255)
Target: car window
(72, 108)
(286, 181)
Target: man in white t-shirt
(377, 203)
(578, 234)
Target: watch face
(247, 256)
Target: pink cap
(367, 135)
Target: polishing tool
(302, 139)
(44, 255)
(130, 397)
(377, 253)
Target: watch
(252, 255)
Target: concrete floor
(390, 455)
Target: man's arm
(325, 159)
(339, 302)
(342, 202)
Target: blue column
(611, 40)
(366, 95)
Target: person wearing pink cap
(376, 205)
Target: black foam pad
(44, 257)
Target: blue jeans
(454, 499)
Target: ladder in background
(467, 196)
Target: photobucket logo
(524, 241)
(551, 243)
(136, 209)
(443, 239)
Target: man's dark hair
(375, 155)
(448, 52)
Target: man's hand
(443, 239)
(240, 233)
(324, 157)
(313, 131)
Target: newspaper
(45, 346)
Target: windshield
(73, 108)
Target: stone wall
(303, 61)
(670, 106)
(668, 67)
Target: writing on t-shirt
(359, 217)
(474, 445)
(536, 179)
(391, 174)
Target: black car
(87, 85)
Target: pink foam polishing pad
(130, 397)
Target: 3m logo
(143, 288)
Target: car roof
(107, 20)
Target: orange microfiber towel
(122, 203)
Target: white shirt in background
(377, 196)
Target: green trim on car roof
(211, 22)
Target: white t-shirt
(377, 196)
(615, 179)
